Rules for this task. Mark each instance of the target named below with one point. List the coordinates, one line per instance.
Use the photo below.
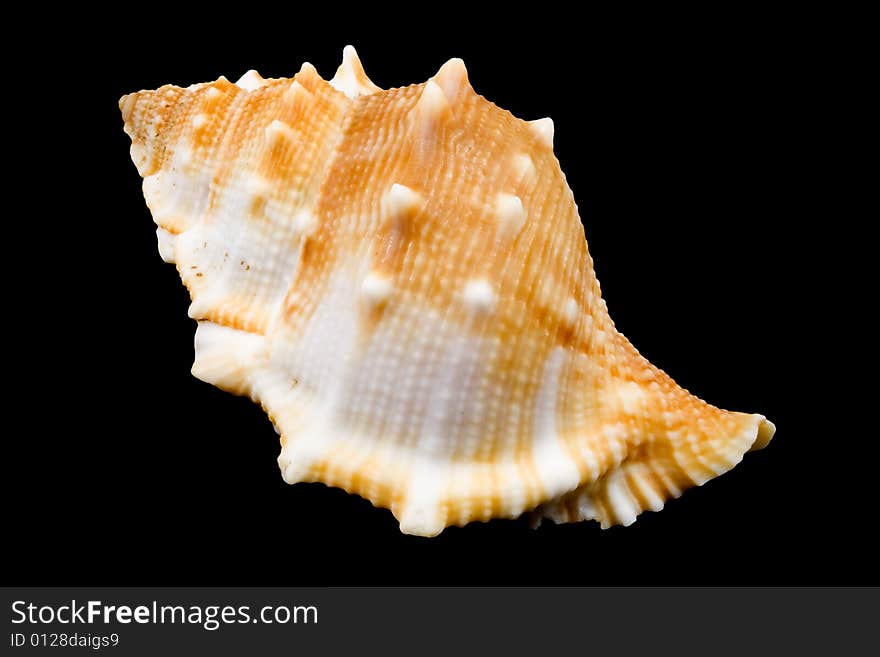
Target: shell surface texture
(401, 279)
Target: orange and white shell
(401, 279)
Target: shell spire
(400, 278)
(350, 77)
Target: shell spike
(403, 201)
(510, 212)
(453, 79)
(296, 93)
(307, 69)
(250, 81)
(308, 77)
(431, 106)
(543, 129)
(350, 77)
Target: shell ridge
(323, 178)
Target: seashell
(401, 279)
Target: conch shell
(401, 279)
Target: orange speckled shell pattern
(401, 279)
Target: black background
(682, 142)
